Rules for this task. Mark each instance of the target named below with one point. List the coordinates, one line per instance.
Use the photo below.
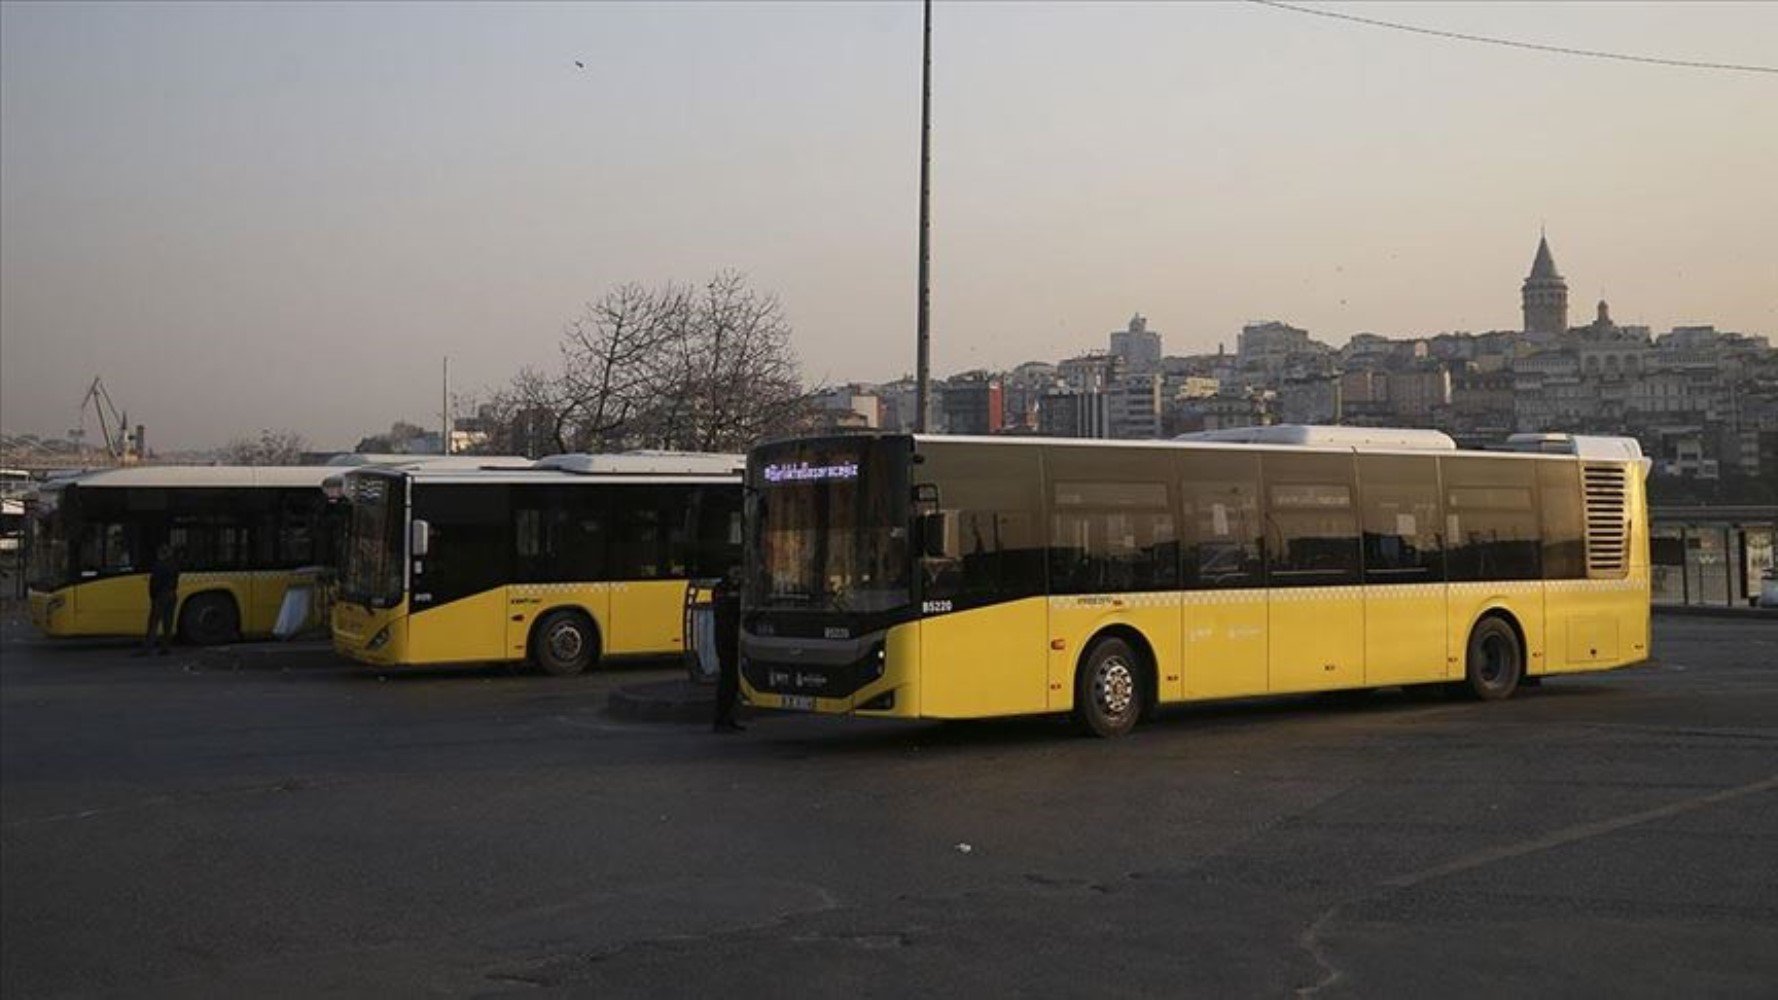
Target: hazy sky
(250, 216)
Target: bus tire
(564, 643)
(1109, 691)
(1494, 661)
(210, 619)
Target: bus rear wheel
(210, 620)
(1494, 662)
(1108, 689)
(564, 644)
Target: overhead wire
(1515, 43)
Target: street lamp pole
(923, 364)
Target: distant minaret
(1544, 296)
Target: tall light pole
(923, 364)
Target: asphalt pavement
(272, 822)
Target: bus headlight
(876, 662)
(379, 640)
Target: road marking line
(1310, 939)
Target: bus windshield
(830, 526)
(374, 550)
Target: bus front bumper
(52, 612)
(376, 636)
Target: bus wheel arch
(565, 641)
(1116, 666)
(210, 618)
(1495, 656)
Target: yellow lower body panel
(1317, 639)
(985, 661)
(118, 605)
(632, 618)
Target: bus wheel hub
(564, 642)
(1116, 686)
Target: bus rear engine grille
(1608, 541)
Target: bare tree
(693, 369)
(729, 375)
(282, 447)
(528, 416)
(610, 363)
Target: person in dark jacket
(725, 601)
(163, 598)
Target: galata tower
(1544, 296)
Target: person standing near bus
(725, 600)
(163, 599)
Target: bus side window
(993, 538)
(1403, 523)
(1223, 546)
(1564, 521)
(108, 548)
(585, 535)
(636, 549)
(1312, 521)
(470, 549)
(1111, 537)
(1491, 519)
(677, 528)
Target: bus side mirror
(419, 538)
(932, 535)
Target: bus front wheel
(1108, 689)
(210, 620)
(564, 644)
(1494, 662)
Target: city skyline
(195, 198)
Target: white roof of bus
(630, 467)
(1310, 436)
(201, 475)
(490, 476)
(646, 463)
(358, 459)
(1591, 447)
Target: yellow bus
(570, 561)
(952, 578)
(243, 535)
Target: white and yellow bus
(242, 535)
(951, 578)
(564, 563)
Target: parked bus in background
(241, 536)
(14, 484)
(572, 560)
(948, 578)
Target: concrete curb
(267, 655)
(664, 701)
(1710, 611)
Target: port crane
(114, 427)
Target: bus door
(649, 550)
(113, 577)
(1316, 605)
(1224, 614)
(1404, 569)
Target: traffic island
(664, 701)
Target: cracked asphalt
(270, 822)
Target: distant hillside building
(1138, 347)
(1091, 372)
(973, 403)
(1270, 344)
(1544, 297)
